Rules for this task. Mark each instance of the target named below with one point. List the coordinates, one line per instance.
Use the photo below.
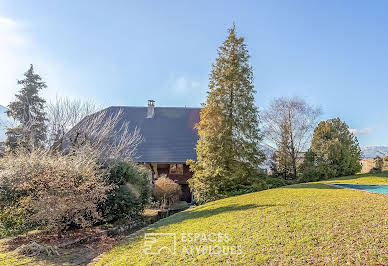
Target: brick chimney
(151, 109)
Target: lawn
(372, 179)
(11, 258)
(299, 224)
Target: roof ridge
(172, 107)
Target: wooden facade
(178, 172)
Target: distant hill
(3, 119)
(373, 151)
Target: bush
(132, 191)
(256, 185)
(16, 220)
(276, 181)
(63, 191)
(375, 170)
(166, 191)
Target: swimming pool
(383, 189)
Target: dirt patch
(79, 247)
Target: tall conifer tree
(28, 111)
(228, 155)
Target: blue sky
(332, 53)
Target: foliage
(334, 152)
(227, 150)
(239, 189)
(281, 164)
(16, 219)
(276, 181)
(379, 163)
(166, 191)
(131, 192)
(288, 126)
(63, 191)
(375, 170)
(293, 225)
(28, 111)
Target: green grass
(299, 224)
(375, 179)
(11, 258)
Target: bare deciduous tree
(63, 114)
(288, 127)
(107, 135)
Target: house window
(176, 168)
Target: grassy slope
(10, 258)
(306, 223)
(310, 223)
(377, 179)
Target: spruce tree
(28, 111)
(228, 155)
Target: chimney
(151, 109)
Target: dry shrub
(35, 249)
(166, 191)
(64, 190)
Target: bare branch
(288, 127)
(63, 114)
(106, 134)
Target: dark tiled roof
(168, 137)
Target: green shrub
(375, 170)
(257, 185)
(131, 193)
(275, 181)
(15, 220)
(166, 191)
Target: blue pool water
(383, 189)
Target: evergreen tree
(228, 156)
(28, 111)
(282, 163)
(334, 151)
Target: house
(169, 139)
(369, 164)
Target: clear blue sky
(331, 53)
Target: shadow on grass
(208, 211)
(231, 208)
(312, 185)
